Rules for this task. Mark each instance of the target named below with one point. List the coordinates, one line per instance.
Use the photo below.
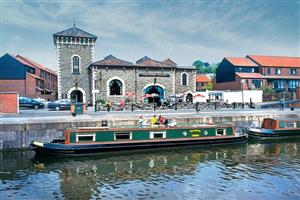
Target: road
(43, 115)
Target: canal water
(250, 171)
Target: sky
(184, 31)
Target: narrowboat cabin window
(85, 137)
(220, 131)
(290, 124)
(157, 135)
(123, 136)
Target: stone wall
(67, 79)
(191, 86)
(21, 135)
(171, 83)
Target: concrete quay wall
(19, 135)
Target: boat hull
(83, 149)
(260, 133)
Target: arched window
(184, 79)
(75, 64)
(115, 87)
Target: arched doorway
(189, 98)
(76, 96)
(156, 94)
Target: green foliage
(209, 86)
(267, 89)
(201, 69)
(100, 101)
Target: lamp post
(242, 87)
(76, 97)
(153, 95)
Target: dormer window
(75, 65)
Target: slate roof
(168, 61)
(148, 62)
(74, 32)
(242, 62)
(275, 61)
(112, 61)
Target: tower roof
(74, 32)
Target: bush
(100, 101)
(267, 89)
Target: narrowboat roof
(283, 119)
(149, 127)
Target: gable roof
(148, 62)
(168, 61)
(74, 32)
(31, 63)
(110, 60)
(242, 62)
(201, 78)
(275, 61)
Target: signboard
(154, 75)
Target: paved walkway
(44, 116)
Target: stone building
(83, 80)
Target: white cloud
(184, 31)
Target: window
(184, 79)
(278, 71)
(123, 136)
(293, 84)
(75, 64)
(293, 71)
(86, 137)
(42, 74)
(256, 83)
(220, 131)
(157, 135)
(290, 124)
(278, 84)
(115, 87)
(268, 71)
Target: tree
(199, 66)
(205, 67)
(208, 86)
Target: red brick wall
(13, 86)
(285, 71)
(30, 86)
(9, 103)
(233, 85)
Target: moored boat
(276, 129)
(81, 141)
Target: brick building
(202, 81)
(254, 72)
(28, 78)
(81, 79)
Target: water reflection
(257, 171)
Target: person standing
(108, 105)
(282, 104)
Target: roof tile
(275, 61)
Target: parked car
(44, 101)
(30, 103)
(61, 104)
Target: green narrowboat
(81, 141)
(276, 129)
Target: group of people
(154, 121)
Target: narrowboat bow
(82, 141)
(276, 129)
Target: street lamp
(242, 87)
(153, 95)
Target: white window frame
(72, 63)
(151, 136)
(278, 70)
(130, 135)
(224, 131)
(85, 134)
(187, 79)
(108, 88)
